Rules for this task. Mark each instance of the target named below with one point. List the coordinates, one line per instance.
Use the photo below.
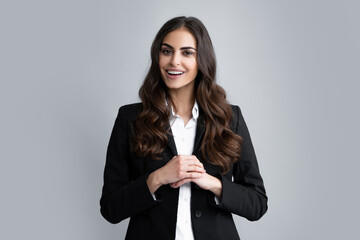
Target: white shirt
(184, 137)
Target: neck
(183, 102)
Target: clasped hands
(180, 170)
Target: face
(178, 60)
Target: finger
(175, 184)
(189, 165)
(190, 168)
(191, 160)
(180, 183)
(194, 168)
(188, 157)
(190, 175)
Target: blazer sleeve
(245, 195)
(122, 196)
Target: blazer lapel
(171, 141)
(200, 130)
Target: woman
(181, 162)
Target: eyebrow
(183, 48)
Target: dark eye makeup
(166, 51)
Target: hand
(178, 168)
(206, 182)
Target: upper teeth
(174, 72)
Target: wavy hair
(220, 146)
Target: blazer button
(198, 213)
(197, 186)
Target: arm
(245, 196)
(122, 196)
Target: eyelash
(168, 52)
(188, 53)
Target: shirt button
(183, 139)
(185, 199)
(198, 213)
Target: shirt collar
(194, 111)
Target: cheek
(192, 66)
(189, 63)
(162, 61)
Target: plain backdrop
(67, 66)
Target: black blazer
(126, 194)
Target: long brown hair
(220, 146)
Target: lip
(174, 69)
(174, 76)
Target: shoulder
(238, 121)
(234, 108)
(133, 107)
(130, 111)
(236, 111)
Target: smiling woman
(177, 62)
(181, 162)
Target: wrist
(154, 181)
(216, 187)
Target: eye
(166, 51)
(188, 53)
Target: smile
(172, 73)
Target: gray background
(66, 67)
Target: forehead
(180, 38)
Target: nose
(175, 59)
